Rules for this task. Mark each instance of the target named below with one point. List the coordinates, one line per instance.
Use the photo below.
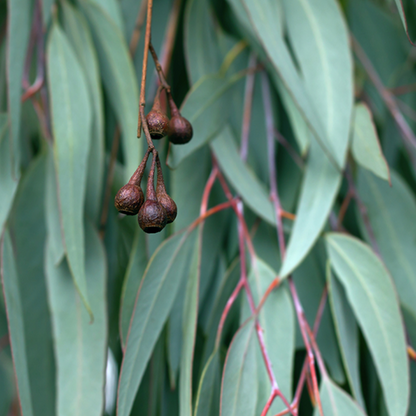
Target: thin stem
(280, 234)
(290, 149)
(141, 118)
(388, 98)
(159, 69)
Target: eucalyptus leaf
(239, 392)
(373, 299)
(80, 345)
(15, 321)
(18, 31)
(155, 298)
(392, 215)
(336, 402)
(71, 123)
(365, 145)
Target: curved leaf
(28, 231)
(239, 381)
(335, 402)
(372, 296)
(242, 179)
(392, 215)
(347, 333)
(320, 40)
(18, 30)
(80, 37)
(80, 346)
(208, 398)
(71, 123)
(154, 300)
(365, 145)
(15, 323)
(319, 189)
(119, 80)
(8, 182)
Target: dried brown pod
(157, 120)
(152, 216)
(130, 198)
(162, 196)
(180, 129)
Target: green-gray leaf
(239, 383)
(335, 402)
(373, 299)
(80, 37)
(8, 183)
(15, 322)
(189, 323)
(241, 177)
(347, 333)
(154, 300)
(365, 145)
(319, 189)
(80, 346)
(71, 123)
(208, 398)
(392, 215)
(119, 80)
(18, 28)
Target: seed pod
(180, 129)
(157, 120)
(164, 199)
(152, 216)
(130, 198)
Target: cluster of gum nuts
(159, 208)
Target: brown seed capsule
(130, 197)
(157, 120)
(164, 199)
(152, 216)
(180, 129)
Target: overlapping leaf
(80, 346)
(155, 298)
(365, 145)
(392, 215)
(373, 299)
(319, 38)
(71, 123)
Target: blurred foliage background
(294, 294)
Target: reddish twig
(280, 233)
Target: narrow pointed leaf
(335, 402)
(241, 177)
(365, 145)
(208, 397)
(322, 49)
(347, 333)
(132, 279)
(373, 299)
(80, 346)
(319, 189)
(18, 28)
(15, 323)
(239, 381)
(207, 108)
(155, 298)
(392, 215)
(28, 231)
(119, 80)
(189, 322)
(8, 182)
(80, 37)
(71, 123)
